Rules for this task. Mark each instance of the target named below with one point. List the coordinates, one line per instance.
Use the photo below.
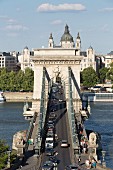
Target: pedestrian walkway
(82, 165)
(31, 161)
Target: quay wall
(18, 96)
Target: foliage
(111, 64)
(3, 153)
(110, 74)
(89, 77)
(103, 74)
(28, 80)
(4, 148)
(3, 79)
(20, 81)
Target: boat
(2, 97)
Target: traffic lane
(62, 132)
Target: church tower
(67, 39)
(91, 57)
(78, 42)
(51, 42)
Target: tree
(111, 64)
(103, 74)
(4, 79)
(19, 80)
(89, 77)
(110, 74)
(3, 153)
(28, 80)
(4, 148)
(12, 81)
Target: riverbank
(18, 96)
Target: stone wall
(18, 96)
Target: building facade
(89, 59)
(9, 61)
(108, 59)
(24, 59)
(66, 42)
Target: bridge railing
(71, 115)
(29, 132)
(41, 121)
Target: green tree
(110, 74)
(89, 77)
(111, 64)
(28, 80)
(3, 154)
(12, 81)
(4, 79)
(103, 74)
(16, 81)
(19, 80)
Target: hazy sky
(30, 22)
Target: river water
(11, 120)
(101, 120)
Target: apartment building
(8, 60)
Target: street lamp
(8, 162)
(103, 158)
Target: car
(49, 151)
(52, 119)
(49, 144)
(50, 126)
(54, 159)
(52, 114)
(50, 134)
(48, 165)
(60, 100)
(64, 144)
(72, 167)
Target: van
(49, 143)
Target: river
(101, 120)
(11, 120)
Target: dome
(90, 48)
(67, 36)
(26, 48)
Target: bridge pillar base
(36, 105)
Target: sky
(30, 22)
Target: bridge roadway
(32, 162)
(65, 155)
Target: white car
(64, 144)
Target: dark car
(48, 165)
(72, 167)
(49, 151)
(54, 159)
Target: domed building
(66, 42)
(67, 48)
(66, 39)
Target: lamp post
(103, 158)
(8, 162)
